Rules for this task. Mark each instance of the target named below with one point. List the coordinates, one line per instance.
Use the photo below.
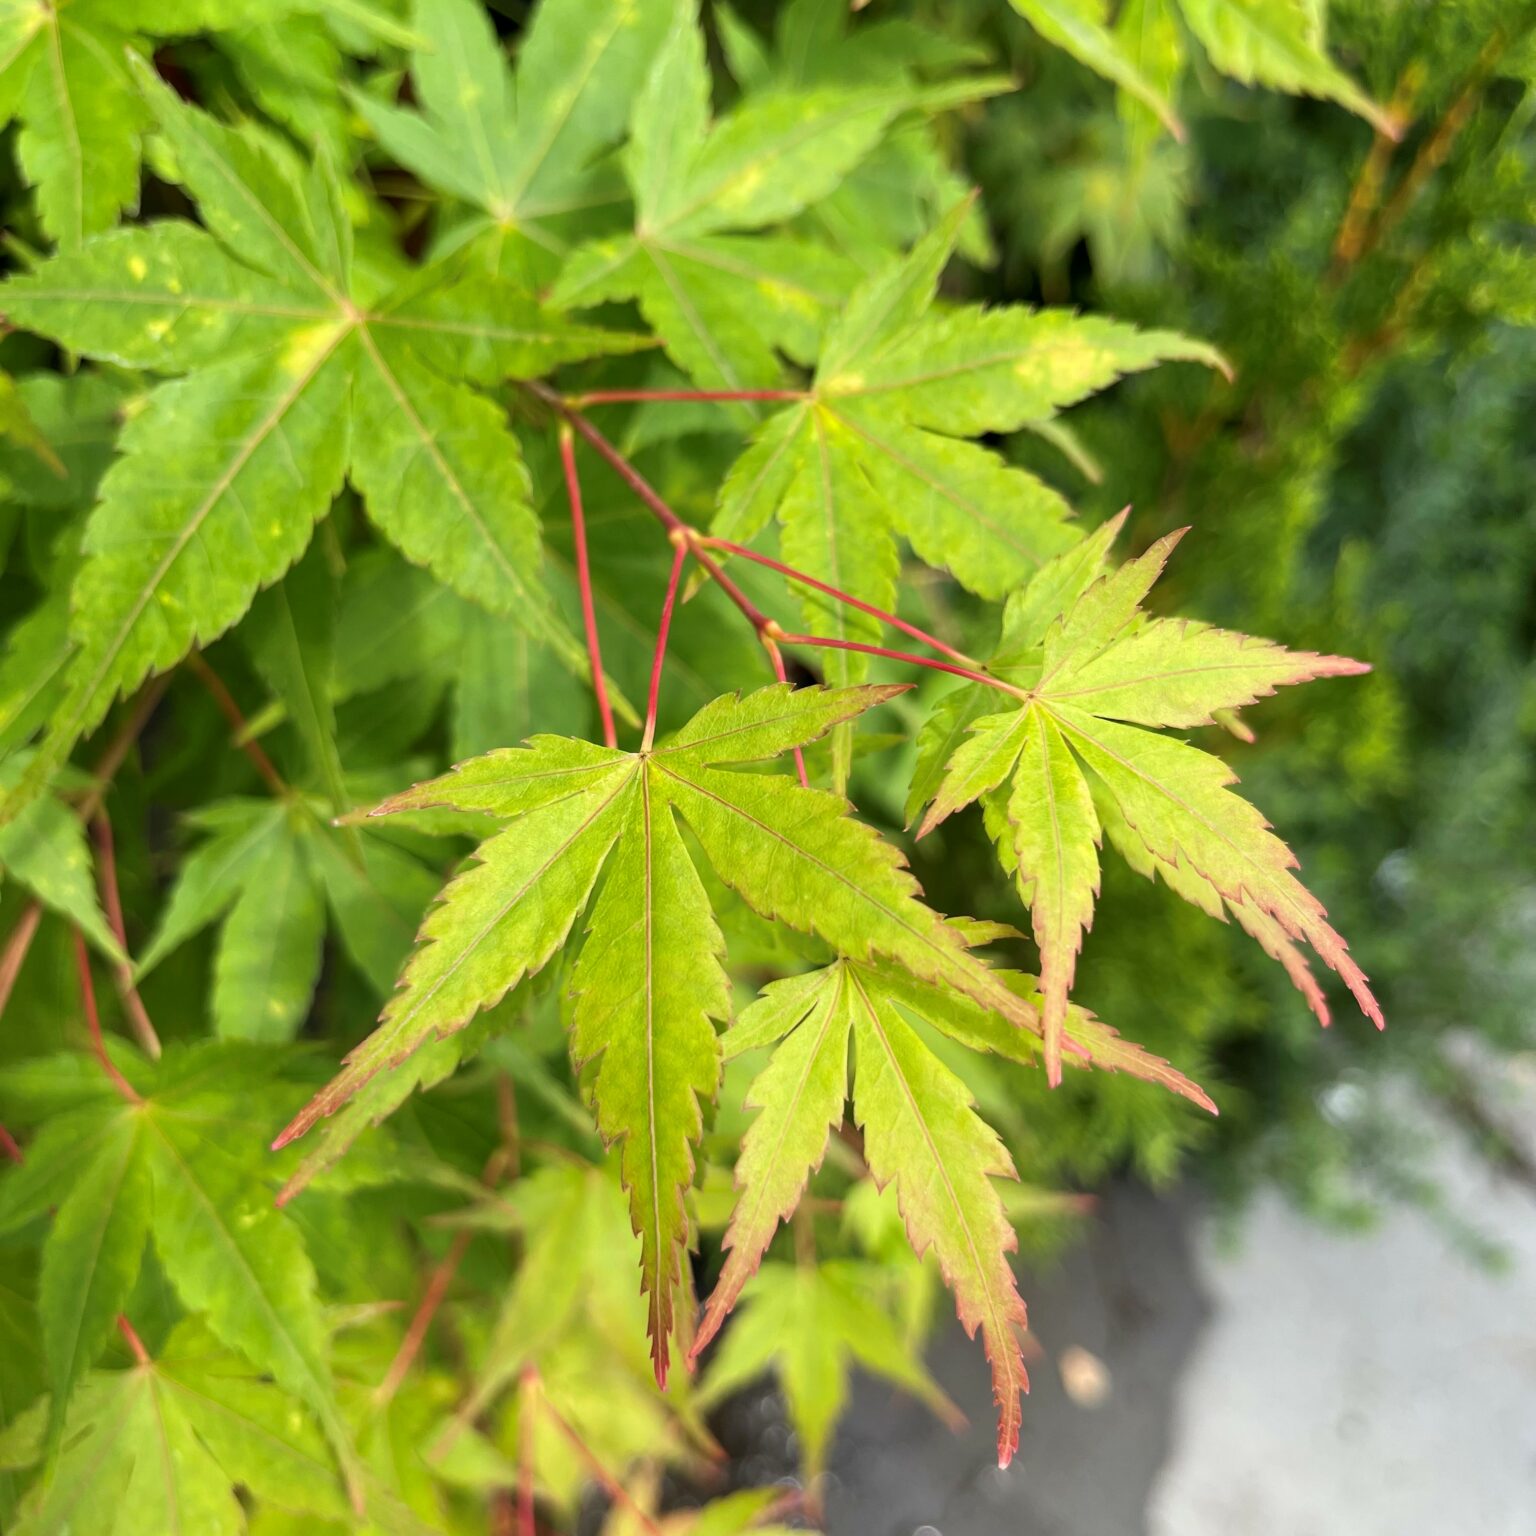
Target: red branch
(527, 1525)
(789, 572)
(776, 656)
(93, 1023)
(14, 955)
(9, 1147)
(133, 1004)
(628, 396)
(232, 713)
(679, 557)
(415, 1336)
(610, 1484)
(135, 1343)
(584, 580)
(906, 656)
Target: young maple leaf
(183, 1163)
(877, 449)
(283, 346)
(725, 299)
(813, 1323)
(649, 980)
(526, 149)
(1091, 671)
(920, 1130)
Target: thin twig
(1365, 195)
(117, 749)
(584, 581)
(231, 711)
(8, 1146)
(610, 1484)
(630, 396)
(776, 656)
(790, 573)
(93, 1023)
(527, 1525)
(416, 1335)
(905, 656)
(1436, 149)
(14, 955)
(135, 1343)
(663, 628)
(122, 971)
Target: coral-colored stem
(679, 558)
(584, 581)
(806, 580)
(906, 656)
(8, 1146)
(231, 711)
(527, 1525)
(415, 1336)
(776, 656)
(135, 1343)
(610, 1484)
(14, 956)
(93, 1023)
(117, 749)
(628, 396)
(111, 898)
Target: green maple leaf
(725, 302)
(523, 148)
(1074, 760)
(888, 200)
(648, 981)
(1277, 43)
(184, 1161)
(920, 1130)
(811, 1323)
(878, 447)
(64, 74)
(280, 350)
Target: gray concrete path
(1302, 1384)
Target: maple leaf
(281, 350)
(63, 74)
(181, 1160)
(878, 449)
(887, 200)
(920, 1130)
(724, 301)
(525, 149)
(811, 1323)
(648, 980)
(1092, 671)
(1277, 43)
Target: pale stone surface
(1371, 1386)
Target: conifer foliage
(594, 412)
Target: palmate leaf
(877, 449)
(723, 302)
(920, 1130)
(1068, 763)
(522, 149)
(648, 981)
(185, 1163)
(272, 875)
(812, 1324)
(257, 312)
